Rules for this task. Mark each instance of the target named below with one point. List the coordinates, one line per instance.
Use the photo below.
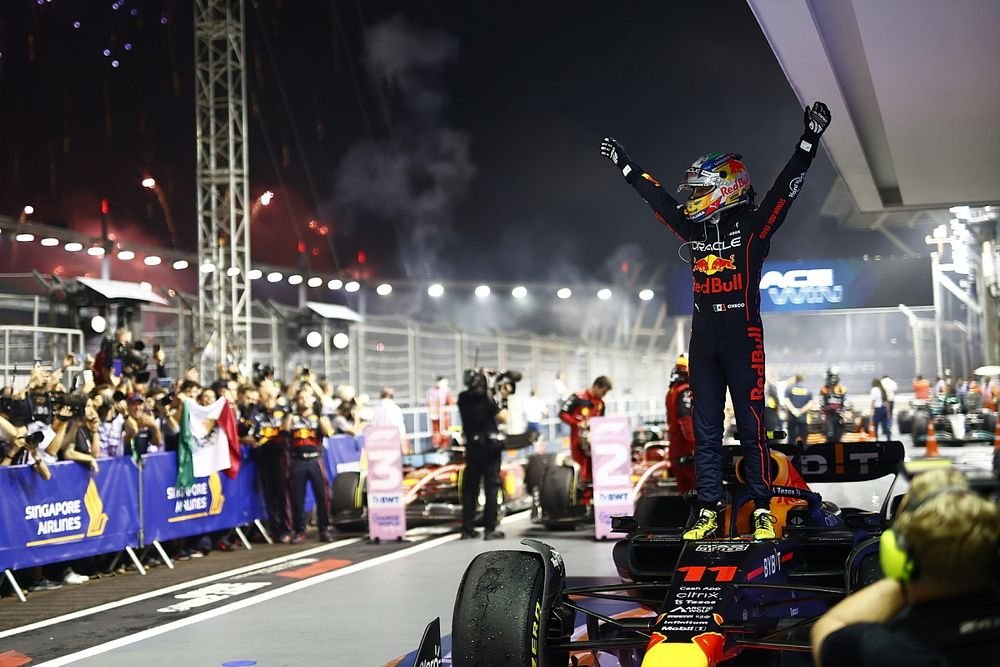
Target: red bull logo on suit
(710, 264)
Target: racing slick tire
(990, 422)
(865, 422)
(344, 502)
(920, 422)
(557, 496)
(496, 612)
(534, 471)
(904, 421)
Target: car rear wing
(846, 462)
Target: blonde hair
(952, 532)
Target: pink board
(384, 483)
(610, 440)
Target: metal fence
(383, 351)
(408, 356)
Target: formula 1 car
(651, 430)
(433, 485)
(845, 425)
(561, 500)
(705, 602)
(954, 423)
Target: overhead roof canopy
(913, 88)
(119, 290)
(332, 311)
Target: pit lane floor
(349, 603)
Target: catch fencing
(406, 355)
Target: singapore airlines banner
(828, 284)
(73, 515)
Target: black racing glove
(612, 149)
(816, 120)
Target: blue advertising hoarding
(825, 284)
(75, 514)
(169, 512)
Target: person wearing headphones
(481, 419)
(729, 237)
(937, 604)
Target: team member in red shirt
(680, 427)
(577, 411)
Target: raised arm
(664, 206)
(774, 207)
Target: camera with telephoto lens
(40, 403)
(261, 373)
(490, 381)
(17, 410)
(76, 403)
(133, 356)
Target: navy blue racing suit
(727, 344)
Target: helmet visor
(701, 191)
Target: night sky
(453, 140)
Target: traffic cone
(996, 436)
(872, 434)
(931, 442)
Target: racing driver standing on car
(729, 238)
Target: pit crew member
(832, 397)
(304, 432)
(577, 411)
(938, 604)
(680, 427)
(798, 399)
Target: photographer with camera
(577, 411)
(110, 408)
(76, 433)
(18, 447)
(481, 419)
(119, 357)
(166, 407)
(938, 605)
(142, 434)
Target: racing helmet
(680, 369)
(718, 181)
(832, 376)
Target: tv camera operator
(121, 358)
(482, 414)
(938, 605)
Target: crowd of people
(123, 403)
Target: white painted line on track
(177, 587)
(246, 602)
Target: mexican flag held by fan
(208, 441)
